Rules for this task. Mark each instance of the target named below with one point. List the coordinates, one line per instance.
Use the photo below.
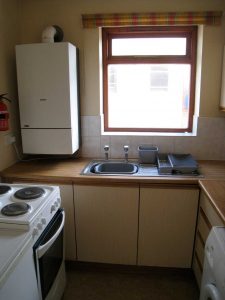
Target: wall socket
(10, 139)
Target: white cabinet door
(167, 226)
(106, 223)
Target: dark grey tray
(164, 165)
(176, 164)
(183, 163)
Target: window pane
(159, 78)
(148, 96)
(148, 46)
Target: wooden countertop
(215, 191)
(68, 171)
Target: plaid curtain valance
(141, 19)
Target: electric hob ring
(4, 189)
(15, 209)
(29, 193)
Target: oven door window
(50, 261)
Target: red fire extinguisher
(4, 114)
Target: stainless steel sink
(110, 168)
(118, 167)
(115, 168)
(123, 168)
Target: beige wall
(37, 14)
(22, 21)
(9, 31)
(213, 43)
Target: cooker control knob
(59, 200)
(56, 203)
(35, 231)
(53, 208)
(39, 226)
(43, 221)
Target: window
(149, 78)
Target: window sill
(183, 134)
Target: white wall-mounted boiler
(48, 97)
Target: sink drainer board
(177, 163)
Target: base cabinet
(207, 218)
(167, 222)
(131, 225)
(106, 223)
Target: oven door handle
(43, 248)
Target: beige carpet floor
(112, 284)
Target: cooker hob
(21, 205)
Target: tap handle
(126, 148)
(106, 148)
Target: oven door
(49, 253)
